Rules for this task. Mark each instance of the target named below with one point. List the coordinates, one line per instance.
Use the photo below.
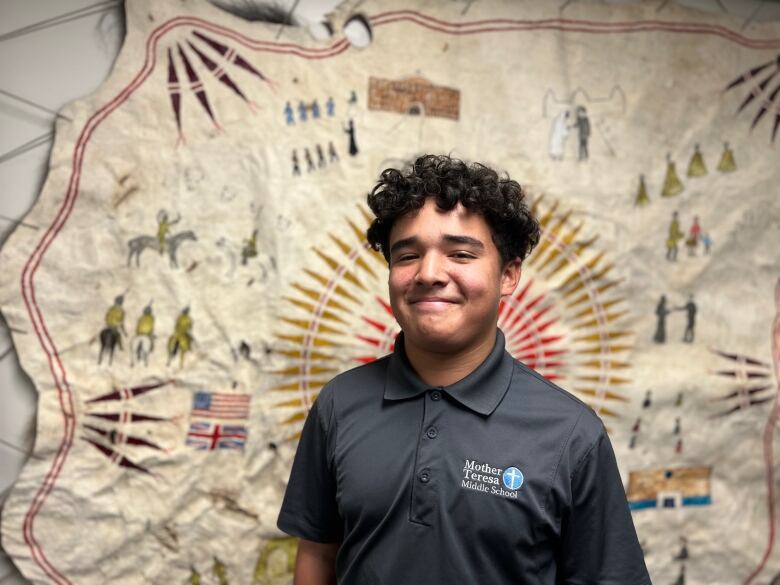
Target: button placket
(428, 460)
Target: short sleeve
(309, 509)
(599, 545)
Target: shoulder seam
(585, 455)
(549, 384)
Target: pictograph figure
(696, 167)
(648, 401)
(683, 554)
(642, 197)
(672, 184)
(143, 342)
(661, 313)
(289, 115)
(559, 132)
(673, 238)
(315, 110)
(320, 156)
(296, 166)
(163, 226)
(309, 161)
(583, 130)
(302, 113)
(690, 325)
(706, 241)
(249, 249)
(332, 154)
(694, 235)
(181, 340)
(220, 572)
(727, 163)
(111, 334)
(330, 107)
(681, 577)
(350, 131)
(677, 426)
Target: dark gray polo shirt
(501, 478)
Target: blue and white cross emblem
(513, 478)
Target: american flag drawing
(206, 436)
(222, 406)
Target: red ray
(117, 438)
(386, 306)
(128, 417)
(230, 55)
(196, 86)
(127, 393)
(375, 324)
(756, 91)
(749, 75)
(115, 457)
(369, 340)
(220, 74)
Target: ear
(510, 276)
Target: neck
(437, 368)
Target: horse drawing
(172, 243)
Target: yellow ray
(317, 341)
(298, 416)
(590, 310)
(608, 395)
(316, 296)
(604, 363)
(324, 281)
(612, 380)
(329, 315)
(609, 349)
(609, 317)
(596, 337)
(297, 386)
(346, 274)
(566, 242)
(347, 249)
(305, 324)
(314, 355)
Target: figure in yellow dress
(674, 237)
(697, 168)
(181, 340)
(220, 571)
(672, 184)
(727, 163)
(143, 342)
(163, 227)
(111, 334)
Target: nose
(431, 270)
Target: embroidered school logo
(513, 478)
(483, 477)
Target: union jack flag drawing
(224, 406)
(206, 436)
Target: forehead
(430, 221)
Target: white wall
(53, 66)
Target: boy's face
(446, 278)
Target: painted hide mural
(201, 269)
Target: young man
(448, 461)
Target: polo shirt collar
(480, 391)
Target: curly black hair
(501, 201)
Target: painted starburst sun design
(564, 320)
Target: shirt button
(435, 395)
(424, 477)
(432, 433)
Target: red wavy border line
(56, 367)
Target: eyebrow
(450, 238)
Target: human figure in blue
(315, 109)
(330, 107)
(301, 111)
(288, 114)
